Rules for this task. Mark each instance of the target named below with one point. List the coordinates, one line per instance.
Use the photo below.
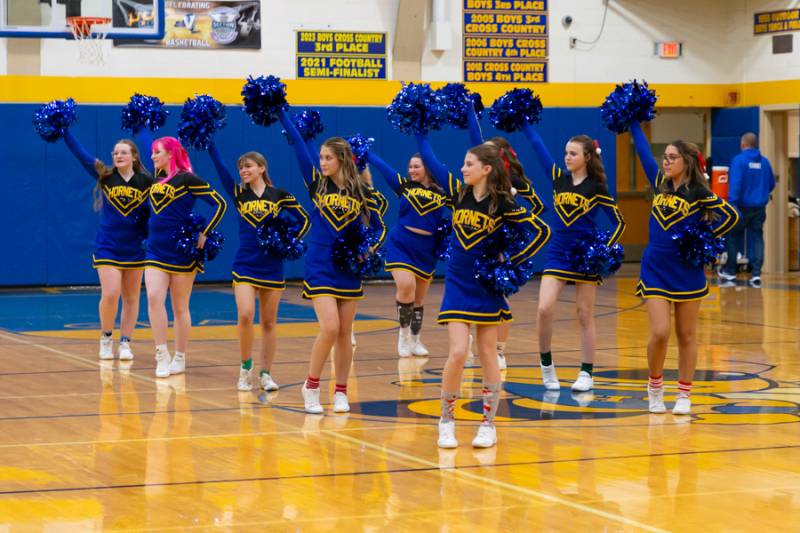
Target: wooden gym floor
(88, 446)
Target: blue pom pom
(279, 237)
(263, 97)
(417, 109)
(441, 237)
(353, 251)
(697, 243)
(201, 117)
(629, 102)
(54, 118)
(514, 109)
(142, 112)
(186, 240)
(360, 146)
(458, 100)
(591, 256)
(308, 124)
(500, 276)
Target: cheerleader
(524, 193)
(483, 203)
(172, 198)
(681, 197)
(579, 192)
(256, 274)
(342, 202)
(411, 253)
(118, 256)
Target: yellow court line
(339, 517)
(381, 451)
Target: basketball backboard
(47, 19)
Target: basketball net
(90, 33)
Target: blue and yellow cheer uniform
(123, 215)
(123, 221)
(664, 274)
(421, 208)
(251, 266)
(335, 212)
(171, 203)
(576, 208)
(465, 298)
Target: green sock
(587, 367)
(263, 371)
(547, 358)
(247, 365)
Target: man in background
(750, 183)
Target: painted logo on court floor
(619, 398)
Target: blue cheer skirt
(253, 267)
(465, 298)
(122, 250)
(557, 265)
(323, 278)
(665, 275)
(415, 253)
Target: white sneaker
(486, 437)
(353, 338)
(162, 364)
(106, 348)
(340, 403)
(267, 383)
(124, 350)
(178, 364)
(501, 361)
(724, 276)
(418, 349)
(683, 405)
(244, 379)
(311, 400)
(549, 377)
(447, 434)
(584, 382)
(656, 399)
(404, 346)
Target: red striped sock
(685, 388)
(312, 383)
(341, 388)
(656, 382)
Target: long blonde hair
(348, 174)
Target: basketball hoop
(90, 33)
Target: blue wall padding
(727, 128)
(47, 197)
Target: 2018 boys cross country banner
(196, 24)
(341, 54)
(505, 40)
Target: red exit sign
(669, 50)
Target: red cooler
(719, 181)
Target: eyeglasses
(670, 157)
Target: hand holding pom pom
(697, 243)
(189, 235)
(416, 109)
(142, 112)
(458, 102)
(629, 102)
(263, 98)
(53, 119)
(308, 123)
(441, 237)
(201, 117)
(360, 146)
(354, 251)
(591, 255)
(515, 109)
(278, 236)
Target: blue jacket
(750, 179)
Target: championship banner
(193, 24)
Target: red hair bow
(702, 161)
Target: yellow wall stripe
(33, 89)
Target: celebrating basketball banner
(195, 24)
